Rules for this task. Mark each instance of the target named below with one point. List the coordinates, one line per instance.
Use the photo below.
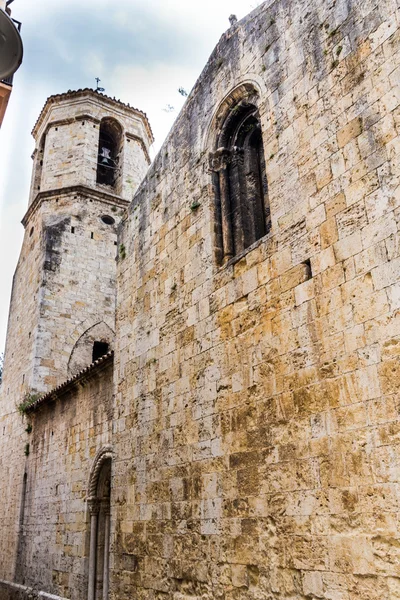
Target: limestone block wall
(79, 280)
(17, 376)
(64, 286)
(256, 417)
(67, 432)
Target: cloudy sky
(143, 51)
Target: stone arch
(98, 499)
(84, 349)
(237, 164)
(104, 454)
(111, 136)
(252, 87)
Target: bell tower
(91, 154)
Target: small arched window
(240, 182)
(108, 157)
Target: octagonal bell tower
(85, 138)
(91, 154)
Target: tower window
(240, 182)
(99, 350)
(110, 142)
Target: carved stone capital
(94, 506)
(220, 159)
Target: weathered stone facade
(64, 287)
(255, 419)
(67, 432)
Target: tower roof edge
(89, 92)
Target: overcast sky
(143, 51)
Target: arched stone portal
(99, 508)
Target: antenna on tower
(98, 88)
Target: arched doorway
(99, 509)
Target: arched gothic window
(108, 158)
(240, 182)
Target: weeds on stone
(29, 399)
(122, 251)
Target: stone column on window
(219, 163)
(94, 507)
(106, 562)
(240, 213)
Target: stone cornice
(79, 379)
(80, 190)
(83, 117)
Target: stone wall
(256, 419)
(64, 285)
(67, 432)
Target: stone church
(200, 396)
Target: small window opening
(99, 350)
(72, 229)
(91, 235)
(307, 263)
(110, 143)
(108, 220)
(31, 232)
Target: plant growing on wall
(29, 399)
